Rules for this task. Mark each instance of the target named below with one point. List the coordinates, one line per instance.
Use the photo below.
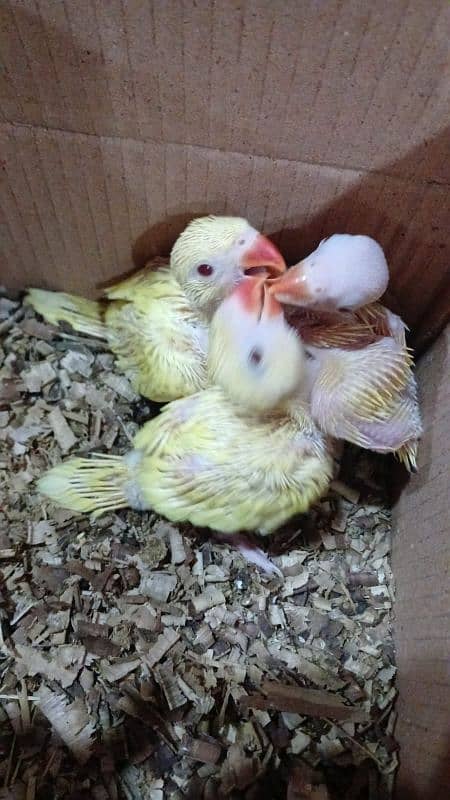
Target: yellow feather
(83, 315)
(153, 320)
(348, 330)
(201, 461)
(82, 484)
(407, 455)
(159, 341)
(368, 397)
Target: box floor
(145, 661)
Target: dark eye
(205, 269)
(255, 356)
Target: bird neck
(300, 401)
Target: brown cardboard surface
(74, 205)
(422, 571)
(124, 120)
(344, 83)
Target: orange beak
(263, 253)
(292, 287)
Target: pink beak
(292, 287)
(263, 253)
(256, 299)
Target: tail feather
(83, 315)
(87, 485)
(407, 455)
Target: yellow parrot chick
(156, 322)
(208, 460)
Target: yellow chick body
(207, 460)
(159, 340)
(203, 462)
(156, 322)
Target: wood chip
(162, 645)
(209, 598)
(120, 385)
(166, 679)
(299, 743)
(62, 664)
(339, 521)
(69, 720)
(158, 586)
(311, 702)
(153, 636)
(177, 549)
(206, 751)
(61, 429)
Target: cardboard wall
(121, 120)
(422, 570)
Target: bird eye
(205, 269)
(255, 356)
(241, 241)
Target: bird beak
(292, 287)
(263, 253)
(255, 298)
(271, 307)
(250, 294)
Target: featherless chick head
(254, 355)
(213, 253)
(344, 272)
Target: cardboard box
(121, 121)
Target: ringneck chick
(211, 461)
(333, 292)
(345, 272)
(367, 396)
(156, 322)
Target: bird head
(213, 254)
(254, 355)
(344, 272)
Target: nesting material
(144, 661)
